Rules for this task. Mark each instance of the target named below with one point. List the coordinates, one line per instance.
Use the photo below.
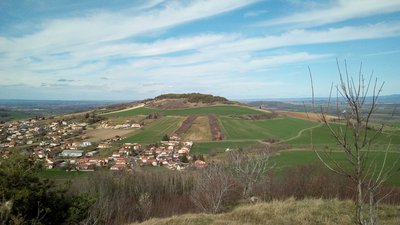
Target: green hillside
(240, 132)
(217, 110)
(287, 130)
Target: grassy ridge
(300, 212)
(218, 110)
(154, 131)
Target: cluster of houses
(28, 132)
(51, 142)
(127, 125)
(171, 154)
(120, 159)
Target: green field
(14, 115)
(321, 136)
(62, 175)
(239, 132)
(282, 128)
(156, 130)
(219, 146)
(289, 159)
(218, 110)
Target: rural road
(123, 110)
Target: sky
(239, 49)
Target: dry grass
(304, 212)
(103, 133)
(121, 120)
(199, 131)
(305, 116)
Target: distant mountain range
(382, 99)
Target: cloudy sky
(240, 49)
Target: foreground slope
(301, 212)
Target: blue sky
(240, 49)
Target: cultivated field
(199, 131)
(281, 128)
(290, 128)
(154, 132)
(121, 120)
(99, 134)
(287, 159)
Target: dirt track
(123, 110)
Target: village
(65, 145)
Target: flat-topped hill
(174, 101)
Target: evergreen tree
(165, 137)
(32, 200)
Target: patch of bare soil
(169, 103)
(214, 127)
(99, 134)
(185, 125)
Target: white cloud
(104, 26)
(341, 10)
(306, 37)
(90, 48)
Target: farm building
(71, 153)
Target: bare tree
(145, 205)
(212, 188)
(249, 166)
(356, 103)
